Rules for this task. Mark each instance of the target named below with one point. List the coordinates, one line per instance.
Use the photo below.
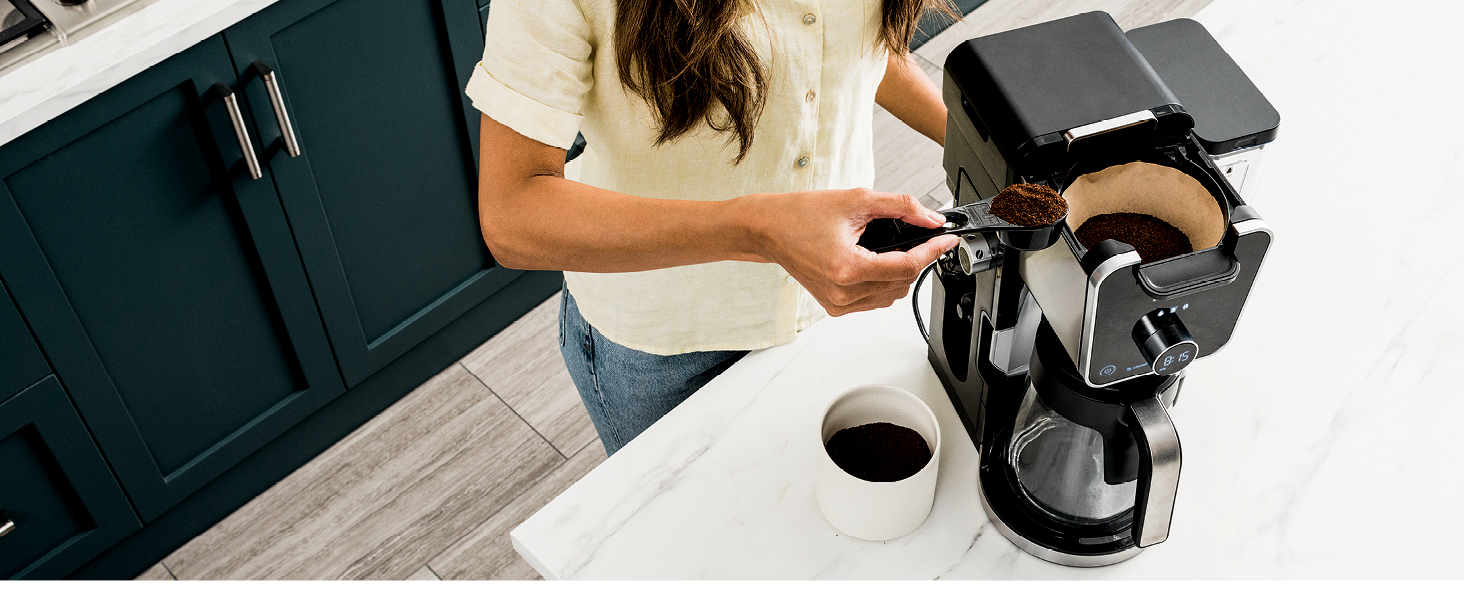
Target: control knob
(1165, 343)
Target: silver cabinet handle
(6, 525)
(232, 103)
(287, 129)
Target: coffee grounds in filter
(1029, 205)
(1154, 238)
(879, 451)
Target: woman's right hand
(815, 237)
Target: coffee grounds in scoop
(1154, 238)
(1029, 205)
(879, 451)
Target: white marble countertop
(60, 80)
(1322, 443)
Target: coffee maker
(1063, 360)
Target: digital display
(1176, 358)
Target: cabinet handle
(6, 525)
(232, 103)
(287, 129)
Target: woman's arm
(533, 218)
(908, 94)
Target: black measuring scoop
(886, 235)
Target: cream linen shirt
(549, 71)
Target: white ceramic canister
(876, 510)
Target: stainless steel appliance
(19, 22)
(1063, 360)
(41, 25)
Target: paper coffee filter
(1147, 188)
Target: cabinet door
(59, 505)
(161, 280)
(383, 196)
(22, 363)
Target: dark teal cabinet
(176, 322)
(386, 179)
(59, 505)
(22, 362)
(161, 280)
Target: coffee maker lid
(1230, 112)
(1032, 89)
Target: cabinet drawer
(60, 504)
(22, 363)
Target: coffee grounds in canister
(1029, 205)
(1154, 238)
(879, 451)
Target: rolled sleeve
(536, 69)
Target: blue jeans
(627, 390)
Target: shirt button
(809, 19)
(809, 97)
(803, 161)
(791, 280)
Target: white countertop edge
(534, 562)
(64, 78)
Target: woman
(717, 209)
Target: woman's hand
(815, 237)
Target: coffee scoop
(885, 235)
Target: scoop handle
(886, 235)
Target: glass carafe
(1072, 472)
(1059, 466)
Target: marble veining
(1321, 443)
(65, 77)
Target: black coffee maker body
(1063, 362)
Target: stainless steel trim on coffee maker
(977, 252)
(1045, 553)
(1054, 276)
(1108, 267)
(1159, 443)
(1108, 125)
(1011, 348)
(1250, 226)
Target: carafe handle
(1159, 459)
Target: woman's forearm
(546, 222)
(912, 98)
(533, 218)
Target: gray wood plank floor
(430, 488)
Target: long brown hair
(691, 62)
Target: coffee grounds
(1029, 205)
(879, 451)
(1154, 238)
